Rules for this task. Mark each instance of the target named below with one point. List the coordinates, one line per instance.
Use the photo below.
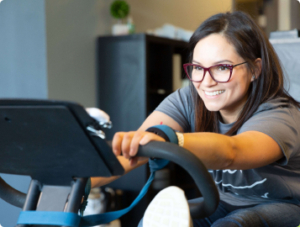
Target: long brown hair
(250, 43)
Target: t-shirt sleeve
(281, 124)
(178, 106)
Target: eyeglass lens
(219, 73)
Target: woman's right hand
(127, 144)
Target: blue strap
(157, 164)
(48, 218)
(168, 131)
(65, 219)
(90, 220)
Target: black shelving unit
(135, 73)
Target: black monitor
(37, 136)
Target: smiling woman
(238, 120)
(226, 89)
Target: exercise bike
(60, 147)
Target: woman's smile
(213, 94)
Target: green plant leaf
(119, 9)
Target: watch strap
(180, 138)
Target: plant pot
(120, 29)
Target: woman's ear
(257, 72)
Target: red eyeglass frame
(208, 69)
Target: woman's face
(228, 98)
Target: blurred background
(50, 49)
(48, 46)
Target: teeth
(214, 92)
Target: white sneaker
(169, 208)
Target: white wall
(23, 70)
(72, 28)
(188, 14)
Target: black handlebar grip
(194, 167)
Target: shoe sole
(169, 208)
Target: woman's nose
(208, 80)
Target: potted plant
(120, 9)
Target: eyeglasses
(219, 73)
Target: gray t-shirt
(279, 181)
